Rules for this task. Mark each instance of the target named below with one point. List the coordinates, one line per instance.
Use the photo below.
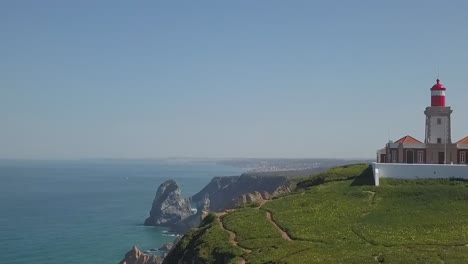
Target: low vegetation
(343, 218)
(257, 226)
(208, 243)
(362, 173)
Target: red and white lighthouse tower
(438, 94)
(438, 125)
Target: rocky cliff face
(228, 192)
(215, 185)
(255, 197)
(135, 256)
(169, 207)
(194, 220)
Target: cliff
(187, 223)
(340, 217)
(169, 207)
(135, 256)
(215, 185)
(224, 193)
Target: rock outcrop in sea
(169, 207)
(135, 256)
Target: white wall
(418, 171)
(439, 131)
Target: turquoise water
(86, 211)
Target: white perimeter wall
(418, 171)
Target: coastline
(86, 212)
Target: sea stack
(169, 207)
(135, 256)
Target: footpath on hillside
(284, 235)
(232, 235)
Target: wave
(170, 235)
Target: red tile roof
(408, 140)
(463, 141)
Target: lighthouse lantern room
(438, 94)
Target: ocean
(89, 211)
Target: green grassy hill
(339, 217)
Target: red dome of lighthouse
(438, 86)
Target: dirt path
(232, 236)
(284, 235)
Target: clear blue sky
(151, 79)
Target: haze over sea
(87, 211)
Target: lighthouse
(437, 147)
(438, 129)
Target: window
(420, 156)
(463, 157)
(439, 140)
(439, 121)
(394, 156)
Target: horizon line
(182, 158)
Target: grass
(345, 220)
(418, 212)
(361, 173)
(208, 243)
(315, 215)
(257, 226)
